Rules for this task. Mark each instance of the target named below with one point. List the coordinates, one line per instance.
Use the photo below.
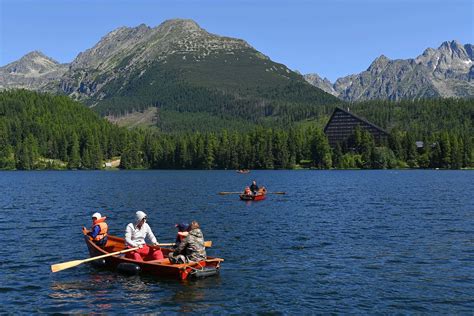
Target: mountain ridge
(180, 68)
(447, 71)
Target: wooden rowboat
(157, 268)
(258, 197)
(261, 195)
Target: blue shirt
(95, 231)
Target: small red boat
(158, 268)
(261, 195)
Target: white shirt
(135, 237)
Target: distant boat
(243, 171)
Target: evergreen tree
(27, 153)
(74, 154)
(445, 148)
(320, 151)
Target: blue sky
(332, 38)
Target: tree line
(41, 131)
(270, 148)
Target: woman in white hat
(135, 235)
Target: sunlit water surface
(337, 242)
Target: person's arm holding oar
(207, 244)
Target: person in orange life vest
(135, 235)
(99, 230)
(247, 191)
(182, 233)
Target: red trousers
(145, 253)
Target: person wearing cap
(135, 235)
(182, 233)
(191, 248)
(99, 230)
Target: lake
(338, 242)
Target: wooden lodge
(342, 124)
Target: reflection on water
(94, 287)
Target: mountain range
(176, 68)
(447, 71)
(185, 74)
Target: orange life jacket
(104, 228)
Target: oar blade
(65, 265)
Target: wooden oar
(207, 244)
(66, 265)
(224, 193)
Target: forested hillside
(237, 89)
(420, 117)
(40, 131)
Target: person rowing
(254, 187)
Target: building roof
(356, 117)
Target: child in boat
(98, 230)
(182, 233)
(191, 248)
(135, 235)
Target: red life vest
(103, 228)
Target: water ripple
(355, 242)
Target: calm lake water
(339, 241)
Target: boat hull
(245, 197)
(158, 268)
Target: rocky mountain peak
(379, 64)
(446, 71)
(124, 47)
(453, 49)
(450, 45)
(33, 63)
(382, 60)
(35, 54)
(186, 25)
(323, 84)
(32, 71)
